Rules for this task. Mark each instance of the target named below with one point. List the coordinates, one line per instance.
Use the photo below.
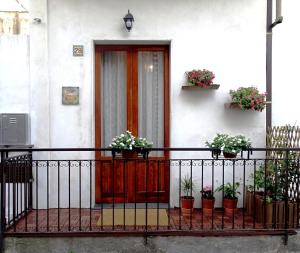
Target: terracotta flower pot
(229, 155)
(230, 205)
(208, 205)
(129, 154)
(187, 205)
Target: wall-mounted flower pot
(129, 154)
(229, 155)
(208, 206)
(187, 205)
(230, 205)
(196, 87)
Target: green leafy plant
(249, 98)
(202, 78)
(187, 185)
(273, 176)
(126, 141)
(230, 190)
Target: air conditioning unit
(14, 129)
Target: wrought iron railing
(78, 191)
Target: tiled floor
(86, 220)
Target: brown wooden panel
(129, 182)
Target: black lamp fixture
(128, 19)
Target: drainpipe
(270, 26)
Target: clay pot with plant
(187, 200)
(208, 200)
(230, 196)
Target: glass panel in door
(151, 98)
(113, 95)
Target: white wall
(14, 74)
(227, 37)
(286, 63)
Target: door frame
(132, 78)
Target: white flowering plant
(218, 141)
(127, 141)
(236, 144)
(230, 144)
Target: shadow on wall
(237, 119)
(197, 97)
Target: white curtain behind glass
(14, 73)
(113, 95)
(151, 98)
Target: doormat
(134, 217)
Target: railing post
(286, 197)
(2, 202)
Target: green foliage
(187, 185)
(230, 190)
(273, 176)
(249, 98)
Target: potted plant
(270, 181)
(187, 200)
(230, 196)
(128, 145)
(248, 98)
(231, 145)
(208, 200)
(234, 144)
(202, 78)
(217, 143)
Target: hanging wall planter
(200, 79)
(247, 98)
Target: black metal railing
(69, 191)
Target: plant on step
(187, 186)
(187, 201)
(249, 98)
(207, 192)
(202, 78)
(127, 141)
(230, 190)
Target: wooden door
(127, 69)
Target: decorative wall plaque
(70, 95)
(77, 50)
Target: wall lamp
(128, 19)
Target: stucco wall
(227, 37)
(222, 36)
(286, 62)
